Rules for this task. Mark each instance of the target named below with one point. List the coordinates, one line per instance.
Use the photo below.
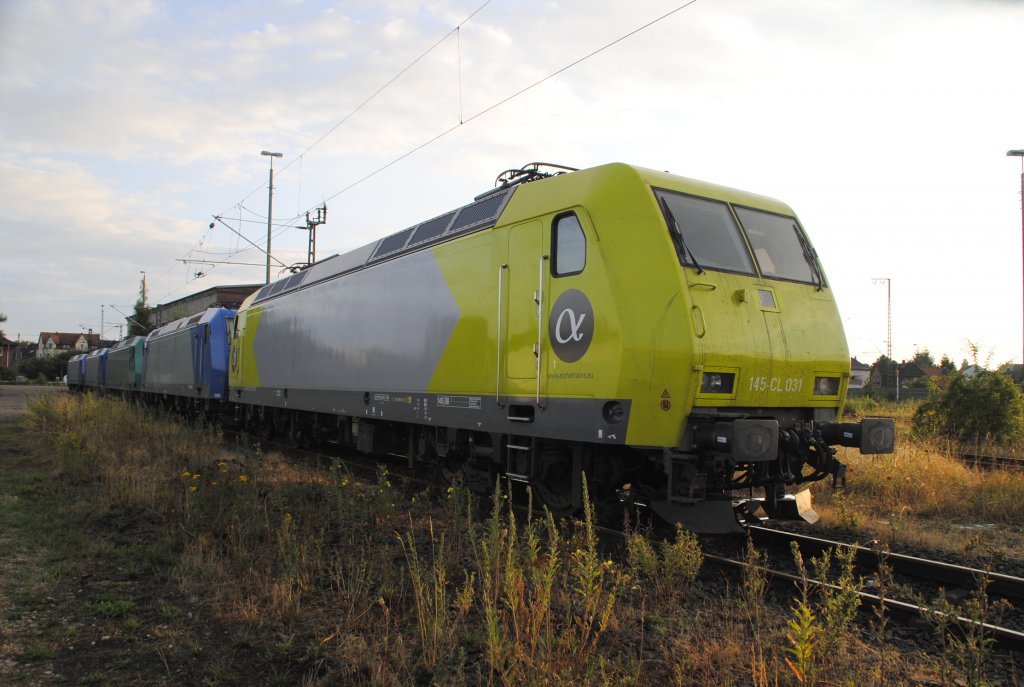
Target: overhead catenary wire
(462, 120)
(370, 98)
(344, 119)
(503, 101)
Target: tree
(988, 404)
(141, 321)
(3, 318)
(946, 365)
(51, 368)
(923, 358)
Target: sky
(127, 125)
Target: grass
(923, 495)
(190, 563)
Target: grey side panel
(569, 419)
(376, 329)
(92, 371)
(169, 364)
(119, 369)
(75, 371)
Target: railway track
(989, 462)
(997, 585)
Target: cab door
(545, 319)
(526, 271)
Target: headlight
(826, 386)
(717, 382)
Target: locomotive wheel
(263, 430)
(554, 485)
(451, 468)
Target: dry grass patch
(923, 495)
(291, 573)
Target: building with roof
(54, 343)
(8, 352)
(860, 374)
(215, 297)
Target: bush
(859, 406)
(6, 374)
(972, 408)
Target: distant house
(972, 371)
(54, 343)
(8, 352)
(883, 376)
(910, 373)
(860, 374)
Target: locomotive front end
(769, 363)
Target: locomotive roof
(190, 321)
(125, 343)
(484, 213)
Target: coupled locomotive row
(675, 341)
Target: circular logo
(571, 326)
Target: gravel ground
(15, 397)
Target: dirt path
(15, 397)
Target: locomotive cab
(770, 358)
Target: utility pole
(1020, 154)
(311, 225)
(888, 335)
(270, 203)
(888, 298)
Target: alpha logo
(571, 326)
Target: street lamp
(270, 203)
(1020, 153)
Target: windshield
(705, 233)
(780, 247)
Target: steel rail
(996, 584)
(1005, 638)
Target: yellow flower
(186, 474)
(193, 488)
(243, 478)
(195, 476)
(287, 517)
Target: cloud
(126, 125)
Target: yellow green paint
(243, 371)
(657, 326)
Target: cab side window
(569, 246)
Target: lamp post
(270, 203)
(1020, 153)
